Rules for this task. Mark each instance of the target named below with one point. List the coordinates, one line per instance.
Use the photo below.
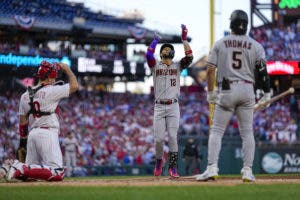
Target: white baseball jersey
(43, 144)
(45, 99)
(166, 80)
(235, 56)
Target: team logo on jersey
(164, 72)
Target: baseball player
(240, 61)
(166, 76)
(70, 145)
(37, 108)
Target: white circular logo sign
(272, 163)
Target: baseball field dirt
(164, 181)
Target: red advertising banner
(283, 67)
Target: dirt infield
(162, 181)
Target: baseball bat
(211, 107)
(281, 95)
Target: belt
(70, 151)
(44, 127)
(237, 81)
(166, 101)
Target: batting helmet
(172, 52)
(239, 22)
(47, 70)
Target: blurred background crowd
(116, 129)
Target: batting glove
(184, 32)
(211, 97)
(157, 37)
(266, 97)
(154, 42)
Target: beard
(166, 56)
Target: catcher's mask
(171, 53)
(239, 22)
(47, 70)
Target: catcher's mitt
(21, 151)
(21, 154)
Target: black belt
(237, 81)
(70, 151)
(166, 101)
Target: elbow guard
(150, 57)
(149, 54)
(186, 61)
(189, 60)
(262, 76)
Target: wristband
(188, 52)
(151, 49)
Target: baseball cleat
(14, 171)
(158, 167)
(173, 173)
(211, 173)
(247, 175)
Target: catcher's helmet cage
(172, 52)
(47, 70)
(239, 22)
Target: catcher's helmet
(172, 52)
(239, 22)
(47, 70)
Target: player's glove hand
(266, 97)
(154, 42)
(157, 37)
(184, 32)
(57, 66)
(211, 96)
(21, 151)
(21, 154)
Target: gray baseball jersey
(166, 117)
(70, 153)
(166, 80)
(70, 144)
(235, 56)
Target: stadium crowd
(74, 51)
(115, 129)
(279, 43)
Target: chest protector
(33, 109)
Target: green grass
(200, 192)
(243, 191)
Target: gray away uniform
(234, 56)
(166, 116)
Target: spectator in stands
(127, 120)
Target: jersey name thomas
(238, 44)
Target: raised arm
(150, 51)
(72, 79)
(188, 59)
